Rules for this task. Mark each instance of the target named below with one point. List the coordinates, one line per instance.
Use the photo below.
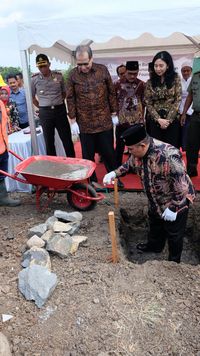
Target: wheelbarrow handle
(14, 176)
(16, 155)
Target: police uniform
(52, 110)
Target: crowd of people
(153, 119)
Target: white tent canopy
(110, 35)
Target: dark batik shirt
(162, 98)
(91, 98)
(130, 98)
(163, 176)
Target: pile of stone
(58, 235)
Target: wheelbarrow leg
(39, 191)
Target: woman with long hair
(162, 98)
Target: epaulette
(34, 75)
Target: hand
(109, 178)
(115, 120)
(169, 215)
(73, 120)
(182, 120)
(163, 123)
(75, 129)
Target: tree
(4, 71)
(65, 73)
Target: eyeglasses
(83, 64)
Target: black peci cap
(132, 65)
(134, 134)
(42, 60)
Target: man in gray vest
(48, 93)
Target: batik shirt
(163, 176)
(91, 99)
(163, 99)
(13, 116)
(130, 98)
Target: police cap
(42, 60)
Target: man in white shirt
(186, 71)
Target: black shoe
(120, 184)
(145, 247)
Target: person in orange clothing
(5, 200)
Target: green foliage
(4, 71)
(65, 73)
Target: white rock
(6, 317)
(35, 241)
(76, 241)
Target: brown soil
(145, 307)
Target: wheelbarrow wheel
(80, 203)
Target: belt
(52, 107)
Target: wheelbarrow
(51, 175)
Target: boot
(4, 198)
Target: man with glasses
(130, 94)
(91, 101)
(48, 91)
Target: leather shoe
(145, 247)
(120, 184)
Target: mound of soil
(143, 305)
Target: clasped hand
(169, 215)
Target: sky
(13, 11)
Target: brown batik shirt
(91, 98)
(130, 98)
(163, 176)
(162, 99)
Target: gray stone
(36, 256)
(64, 215)
(61, 227)
(36, 283)
(60, 245)
(50, 222)
(38, 230)
(74, 227)
(4, 346)
(47, 235)
(35, 241)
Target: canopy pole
(27, 85)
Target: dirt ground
(146, 306)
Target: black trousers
(171, 135)
(119, 150)
(52, 119)
(161, 230)
(193, 143)
(103, 142)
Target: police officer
(48, 93)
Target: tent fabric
(128, 25)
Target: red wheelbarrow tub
(55, 172)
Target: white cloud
(10, 19)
